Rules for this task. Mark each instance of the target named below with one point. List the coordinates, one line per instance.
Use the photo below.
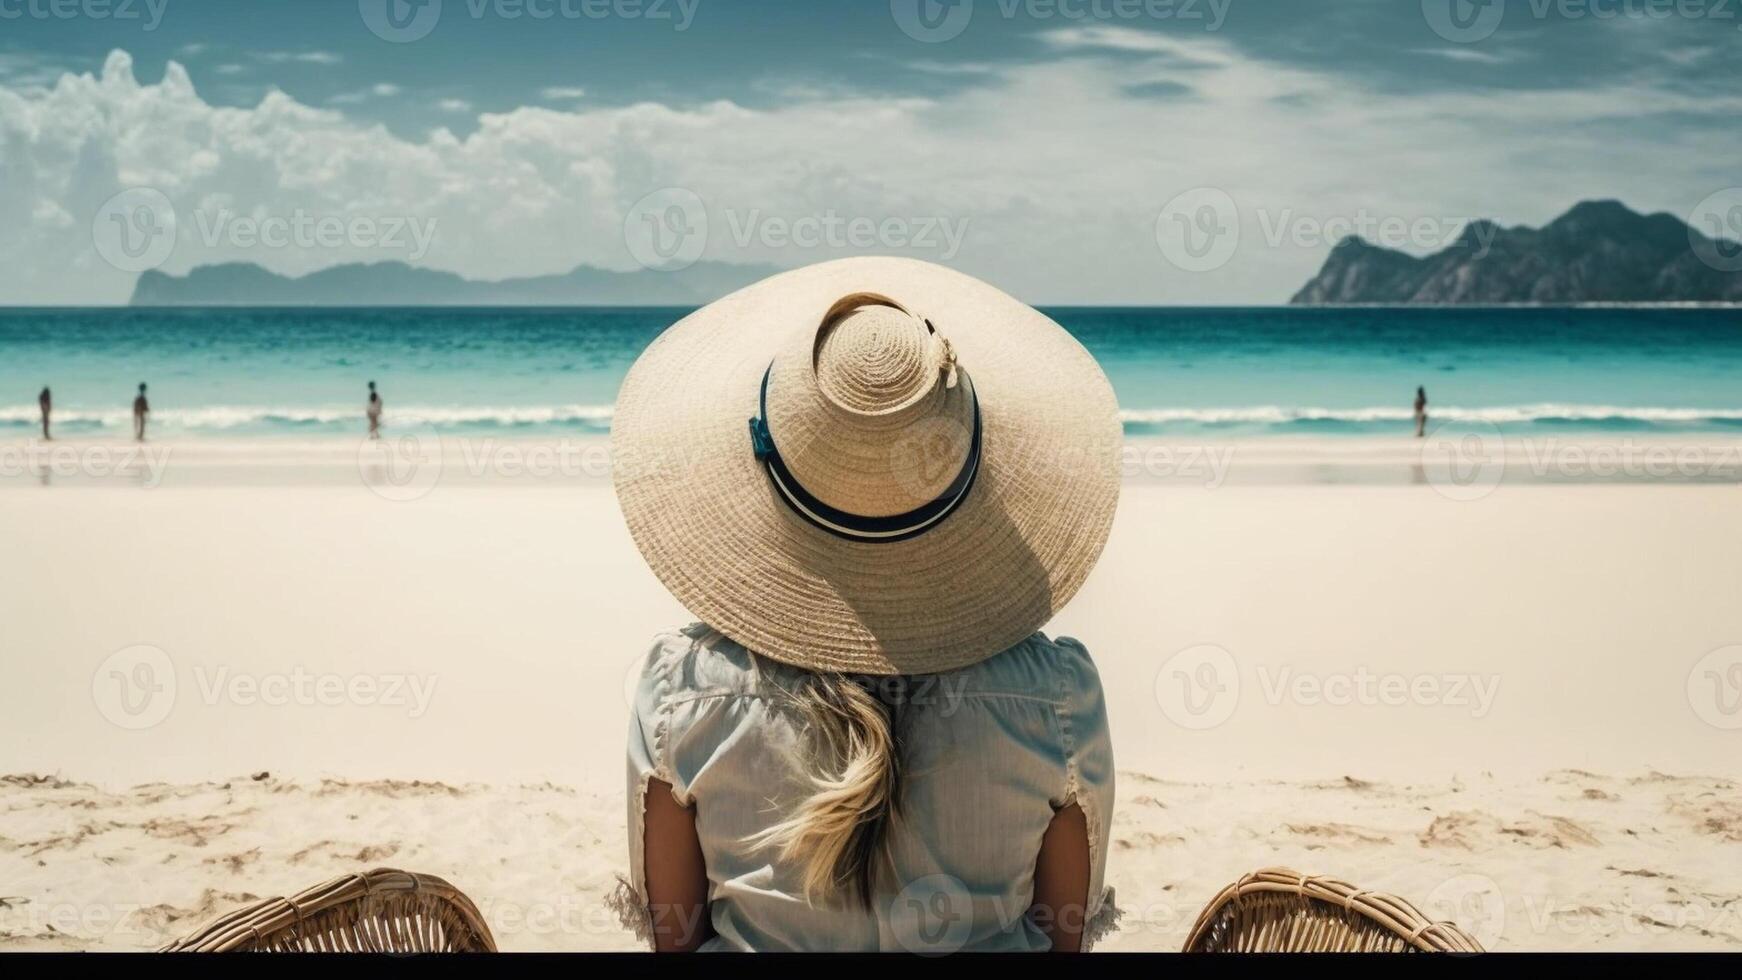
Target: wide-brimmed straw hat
(873, 465)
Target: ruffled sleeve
(649, 759)
(1089, 777)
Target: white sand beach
(1567, 861)
(1515, 704)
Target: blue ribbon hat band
(857, 527)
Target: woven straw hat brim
(701, 508)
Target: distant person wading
(45, 401)
(1420, 412)
(141, 408)
(373, 411)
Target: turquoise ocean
(1180, 373)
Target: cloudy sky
(1073, 151)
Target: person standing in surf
(373, 411)
(1420, 412)
(45, 401)
(141, 408)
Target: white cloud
(1687, 56)
(1058, 173)
(19, 69)
(299, 57)
(1130, 40)
(454, 105)
(380, 90)
(953, 67)
(563, 93)
(1468, 54)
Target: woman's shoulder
(1041, 666)
(700, 661)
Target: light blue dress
(991, 752)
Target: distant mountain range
(398, 284)
(1598, 252)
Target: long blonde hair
(837, 834)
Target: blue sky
(498, 54)
(1050, 138)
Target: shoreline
(411, 462)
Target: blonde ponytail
(836, 836)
